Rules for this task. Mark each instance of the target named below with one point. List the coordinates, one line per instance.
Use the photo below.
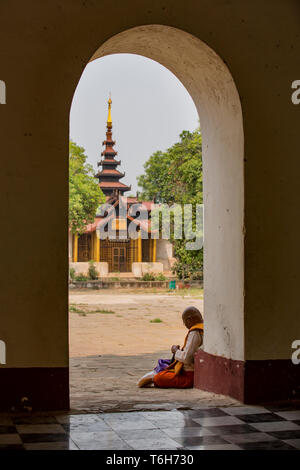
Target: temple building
(121, 253)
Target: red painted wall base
(250, 382)
(36, 388)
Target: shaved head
(192, 312)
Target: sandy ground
(110, 351)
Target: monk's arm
(194, 341)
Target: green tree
(175, 176)
(85, 196)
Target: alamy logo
(2, 352)
(296, 354)
(296, 94)
(180, 222)
(2, 92)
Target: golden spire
(109, 120)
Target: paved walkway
(104, 384)
(114, 341)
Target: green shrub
(80, 311)
(81, 277)
(102, 311)
(92, 271)
(148, 277)
(156, 320)
(74, 309)
(160, 277)
(72, 274)
(197, 276)
(188, 266)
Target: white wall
(70, 247)
(164, 253)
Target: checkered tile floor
(244, 427)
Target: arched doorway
(211, 86)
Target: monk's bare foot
(147, 379)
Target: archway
(210, 84)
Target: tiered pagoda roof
(109, 175)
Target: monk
(179, 372)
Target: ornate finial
(109, 120)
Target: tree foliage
(175, 176)
(85, 196)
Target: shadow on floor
(108, 383)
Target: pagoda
(109, 175)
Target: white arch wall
(210, 84)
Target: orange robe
(168, 379)
(175, 376)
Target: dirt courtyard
(116, 336)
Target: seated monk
(179, 372)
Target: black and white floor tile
(227, 428)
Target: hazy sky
(150, 107)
